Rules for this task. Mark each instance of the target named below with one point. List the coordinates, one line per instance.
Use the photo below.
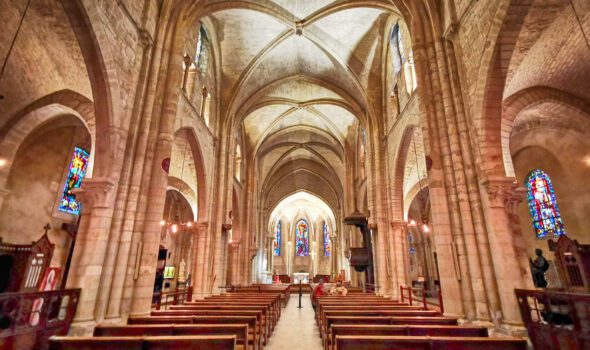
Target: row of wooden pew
(242, 321)
(364, 321)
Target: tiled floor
(297, 329)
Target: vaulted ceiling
(299, 77)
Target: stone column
(199, 259)
(333, 254)
(398, 258)
(508, 271)
(96, 197)
(379, 261)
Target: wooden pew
(351, 342)
(219, 342)
(324, 327)
(267, 319)
(274, 299)
(273, 315)
(240, 331)
(251, 321)
(370, 330)
(259, 328)
(382, 320)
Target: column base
(82, 328)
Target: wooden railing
(175, 297)
(28, 319)
(555, 320)
(410, 297)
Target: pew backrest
(219, 342)
(428, 343)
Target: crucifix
(47, 227)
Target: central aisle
(296, 329)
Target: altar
(302, 277)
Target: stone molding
(95, 193)
(504, 192)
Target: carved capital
(234, 244)
(399, 225)
(95, 193)
(504, 192)
(202, 226)
(226, 227)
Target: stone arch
(200, 170)
(399, 167)
(179, 185)
(489, 125)
(40, 112)
(102, 80)
(527, 98)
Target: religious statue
(538, 268)
(181, 271)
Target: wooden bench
(324, 326)
(351, 342)
(259, 329)
(251, 321)
(270, 308)
(267, 319)
(240, 331)
(380, 320)
(402, 330)
(219, 342)
(273, 300)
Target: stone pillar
(199, 259)
(498, 202)
(333, 254)
(398, 258)
(380, 263)
(96, 197)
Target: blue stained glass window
(76, 173)
(326, 241)
(302, 238)
(397, 48)
(543, 205)
(277, 241)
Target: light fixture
(412, 222)
(174, 228)
(425, 228)
(162, 222)
(189, 224)
(3, 162)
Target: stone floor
(297, 329)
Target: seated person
(317, 292)
(339, 290)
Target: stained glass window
(76, 173)
(277, 241)
(202, 54)
(302, 238)
(543, 205)
(397, 48)
(326, 240)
